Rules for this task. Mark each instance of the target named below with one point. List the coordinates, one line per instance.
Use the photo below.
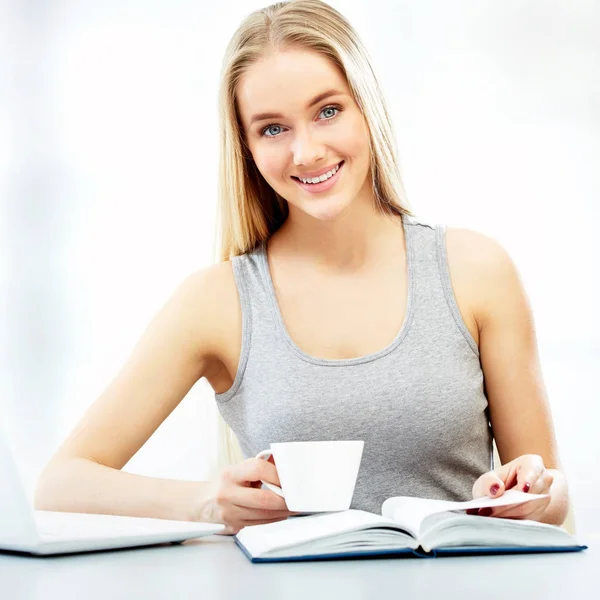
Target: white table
(215, 567)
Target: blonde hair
(249, 209)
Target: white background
(108, 161)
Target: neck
(357, 238)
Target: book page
(410, 512)
(262, 539)
(447, 530)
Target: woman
(334, 314)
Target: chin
(325, 210)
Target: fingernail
(494, 489)
(472, 511)
(486, 512)
(526, 487)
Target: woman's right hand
(239, 501)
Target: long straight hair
(249, 209)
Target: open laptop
(23, 529)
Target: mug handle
(265, 455)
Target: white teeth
(322, 177)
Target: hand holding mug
(239, 500)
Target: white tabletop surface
(215, 567)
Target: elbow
(44, 493)
(52, 488)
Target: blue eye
(330, 107)
(264, 131)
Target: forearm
(556, 512)
(81, 485)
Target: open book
(407, 526)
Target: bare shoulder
(213, 281)
(482, 272)
(181, 344)
(474, 250)
(216, 320)
(210, 295)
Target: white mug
(315, 476)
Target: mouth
(322, 186)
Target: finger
(254, 469)
(255, 514)
(263, 499)
(531, 467)
(522, 511)
(489, 484)
(268, 514)
(541, 485)
(544, 483)
(235, 514)
(237, 526)
(260, 522)
(232, 516)
(508, 474)
(268, 518)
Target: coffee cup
(315, 476)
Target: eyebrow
(315, 100)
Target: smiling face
(300, 121)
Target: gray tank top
(418, 404)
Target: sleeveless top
(418, 404)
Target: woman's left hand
(526, 473)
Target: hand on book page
(527, 473)
(411, 511)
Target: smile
(332, 177)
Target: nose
(306, 149)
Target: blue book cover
(411, 553)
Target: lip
(318, 173)
(323, 186)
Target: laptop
(23, 529)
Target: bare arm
(518, 403)
(194, 335)
(180, 345)
(172, 354)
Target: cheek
(269, 164)
(353, 140)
